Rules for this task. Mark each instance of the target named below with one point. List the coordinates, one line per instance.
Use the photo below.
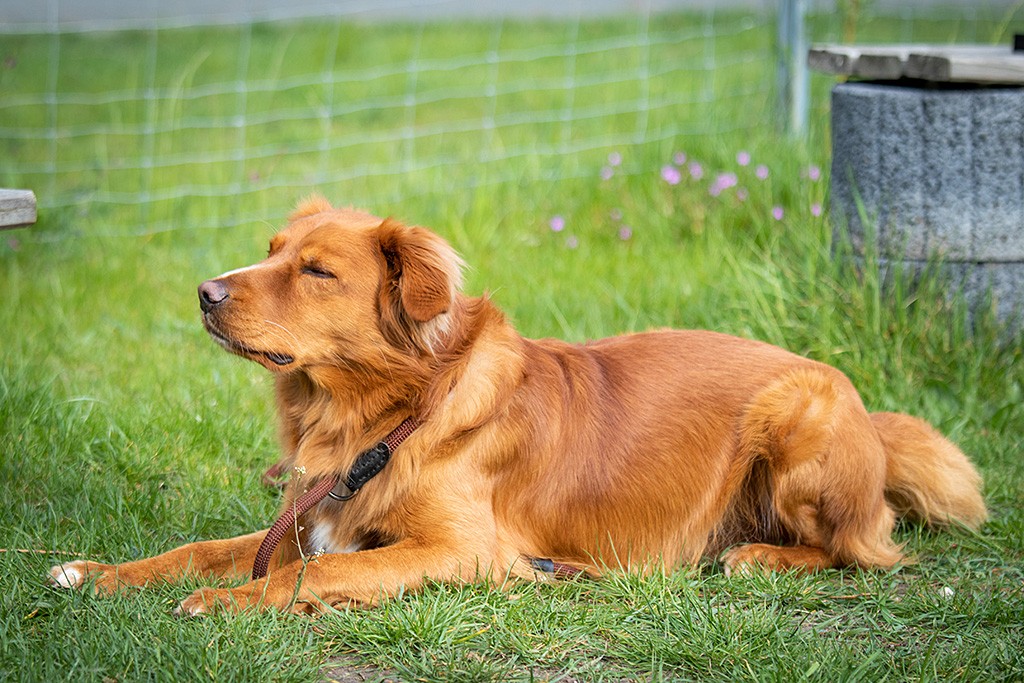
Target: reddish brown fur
(642, 452)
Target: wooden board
(938, 63)
(17, 207)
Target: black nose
(211, 294)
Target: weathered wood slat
(938, 63)
(17, 207)
(981, 66)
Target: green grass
(124, 431)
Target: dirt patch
(345, 670)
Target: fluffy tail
(928, 478)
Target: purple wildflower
(696, 170)
(813, 172)
(557, 224)
(816, 209)
(670, 174)
(614, 159)
(778, 213)
(571, 242)
(625, 232)
(743, 158)
(607, 172)
(679, 158)
(723, 182)
(761, 172)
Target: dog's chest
(323, 540)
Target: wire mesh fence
(175, 125)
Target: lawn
(551, 154)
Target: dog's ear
(311, 205)
(422, 277)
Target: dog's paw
(232, 600)
(194, 605)
(761, 558)
(75, 574)
(211, 601)
(67, 575)
(746, 560)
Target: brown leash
(368, 465)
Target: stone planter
(938, 170)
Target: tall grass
(124, 431)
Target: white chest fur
(322, 540)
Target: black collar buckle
(367, 466)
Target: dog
(643, 452)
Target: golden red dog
(642, 452)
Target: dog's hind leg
(824, 477)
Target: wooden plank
(17, 207)
(938, 63)
(865, 61)
(885, 67)
(831, 60)
(995, 65)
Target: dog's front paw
(75, 574)
(255, 596)
(201, 602)
(212, 600)
(68, 575)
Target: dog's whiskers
(279, 325)
(387, 365)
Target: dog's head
(337, 287)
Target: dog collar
(370, 463)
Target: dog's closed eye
(317, 270)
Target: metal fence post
(792, 78)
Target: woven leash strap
(401, 433)
(367, 465)
(272, 477)
(285, 522)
